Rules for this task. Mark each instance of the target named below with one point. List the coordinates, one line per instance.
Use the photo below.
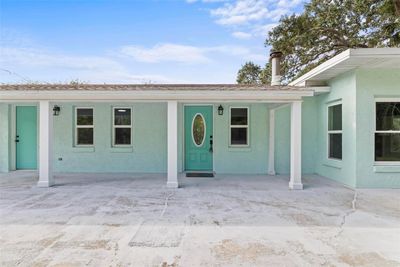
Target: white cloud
(245, 11)
(240, 12)
(252, 18)
(205, 1)
(185, 53)
(166, 52)
(242, 35)
(57, 67)
(22, 64)
(289, 3)
(35, 57)
(262, 30)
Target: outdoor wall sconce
(56, 110)
(220, 110)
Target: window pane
(335, 118)
(85, 136)
(239, 116)
(238, 136)
(198, 130)
(84, 116)
(122, 136)
(122, 116)
(387, 147)
(335, 146)
(388, 116)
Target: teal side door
(198, 138)
(26, 137)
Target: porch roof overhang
(210, 93)
(368, 58)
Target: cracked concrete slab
(231, 220)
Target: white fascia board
(376, 52)
(301, 81)
(320, 89)
(153, 95)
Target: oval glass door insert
(198, 129)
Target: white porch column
(45, 144)
(271, 143)
(295, 146)
(172, 144)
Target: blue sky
(121, 41)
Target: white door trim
(183, 133)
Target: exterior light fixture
(220, 110)
(56, 110)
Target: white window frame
(383, 100)
(121, 126)
(82, 126)
(239, 126)
(329, 132)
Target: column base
(271, 173)
(172, 185)
(296, 186)
(45, 184)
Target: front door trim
(183, 133)
(13, 132)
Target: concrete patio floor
(134, 220)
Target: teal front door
(26, 137)
(198, 138)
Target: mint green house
(341, 121)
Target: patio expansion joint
(168, 196)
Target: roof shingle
(143, 87)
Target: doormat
(199, 174)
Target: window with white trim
(84, 127)
(239, 126)
(122, 126)
(335, 131)
(387, 132)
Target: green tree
(328, 27)
(249, 73)
(265, 75)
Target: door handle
(211, 144)
(17, 139)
